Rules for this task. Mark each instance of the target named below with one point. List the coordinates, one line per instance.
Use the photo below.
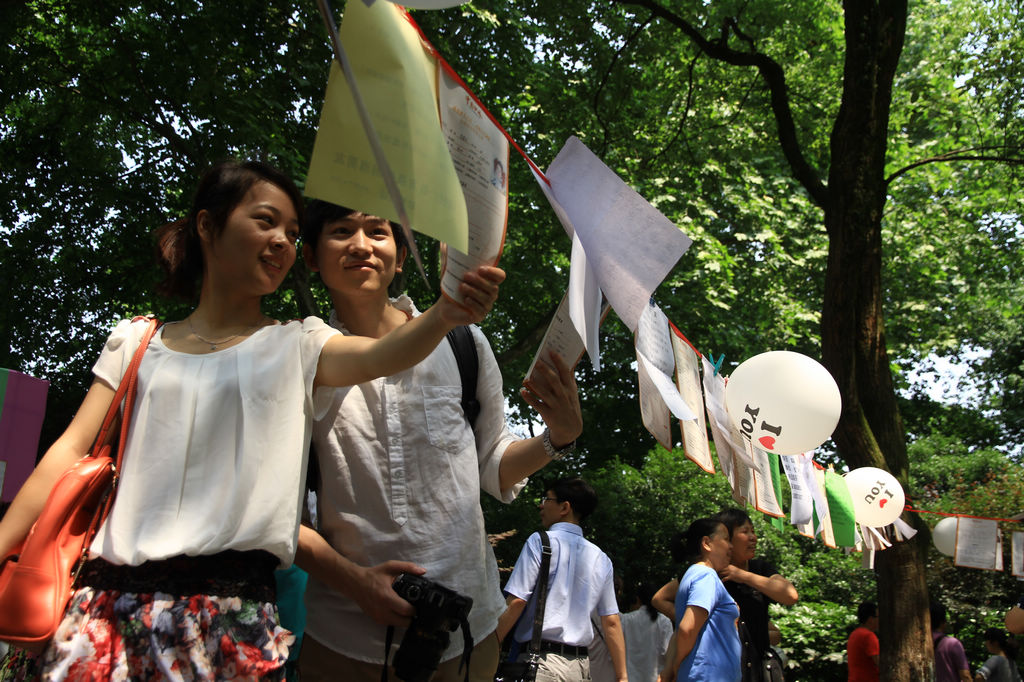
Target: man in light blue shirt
(580, 580)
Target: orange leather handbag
(36, 578)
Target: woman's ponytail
(686, 545)
(180, 257)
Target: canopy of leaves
(106, 123)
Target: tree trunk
(903, 628)
(870, 431)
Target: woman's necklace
(214, 344)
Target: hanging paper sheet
(480, 153)
(778, 522)
(606, 213)
(396, 75)
(732, 454)
(584, 298)
(823, 513)
(1017, 553)
(695, 432)
(765, 500)
(560, 338)
(801, 503)
(977, 543)
(655, 365)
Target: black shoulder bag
(526, 670)
(754, 666)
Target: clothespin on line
(717, 364)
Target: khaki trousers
(557, 668)
(318, 663)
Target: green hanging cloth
(840, 507)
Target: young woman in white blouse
(180, 581)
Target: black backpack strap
(464, 348)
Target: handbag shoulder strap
(542, 585)
(126, 391)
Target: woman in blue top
(707, 643)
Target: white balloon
(878, 497)
(944, 535)
(429, 4)
(783, 401)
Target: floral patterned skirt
(109, 634)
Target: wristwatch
(554, 453)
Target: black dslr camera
(438, 612)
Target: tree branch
(685, 115)
(774, 78)
(176, 142)
(608, 72)
(968, 154)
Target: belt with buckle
(563, 649)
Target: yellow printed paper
(396, 77)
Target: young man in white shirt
(402, 469)
(580, 580)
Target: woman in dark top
(754, 584)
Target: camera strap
(467, 648)
(389, 637)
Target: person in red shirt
(862, 646)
